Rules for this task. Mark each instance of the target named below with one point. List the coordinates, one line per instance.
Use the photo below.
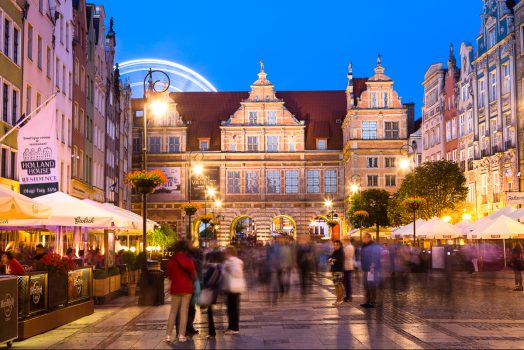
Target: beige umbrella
(14, 206)
(437, 228)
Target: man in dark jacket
(371, 267)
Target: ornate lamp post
(356, 187)
(157, 107)
(332, 216)
(415, 203)
(197, 169)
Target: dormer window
(257, 99)
(267, 98)
(492, 37)
(203, 145)
(252, 118)
(373, 100)
(272, 118)
(385, 100)
(321, 144)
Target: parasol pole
(504, 247)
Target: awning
(14, 206)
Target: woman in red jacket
(181, 271)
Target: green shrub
(99, 274)
(113, 271)
(129, 258)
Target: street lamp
(156, 106)
(356, 187)
(405, 165)
(197, 169)
(328, 203)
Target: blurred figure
(13, 266)
(371, 268)
(196, 255)
(285, 266)
(349, 265)
(336, 260)
(213, 281)
(70, 253)
(305, 261)
(99, 259)
(235, 285)
(181, 271)
(516, 265)
(40, 252)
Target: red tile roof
(321, 111)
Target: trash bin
(9, 309)
(152, 285)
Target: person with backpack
(182, 273)
(212, 284)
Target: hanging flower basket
(414, 203)
(361, 214)
(332, 222)
(206, 219)
(189, 208)
(146, 181)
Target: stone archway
(243, 228)
(283, 225)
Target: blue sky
(306, 45)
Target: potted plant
(130, 261)
(332, 222)
(100, 283)
(206, 219)
(189, 208)
(414, 203)
(114, 278)
(146, 181)
(57, 268)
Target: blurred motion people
(13, 266)
(371, 268)
(516, 265)
(235, 285)
(349, 265)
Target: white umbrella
(501, 227)
(122, 218)
(406, 231)
(504, 211)
(518, 215)
(13, 205)
(67, 211)
(467, 226)
(437, 228)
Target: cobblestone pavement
(417, 311)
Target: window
(64, 85)
(5, 103)
(204, 145)
(62, 129)
(496, 182)
(14, 106)
(313, 181)
(233, 181)
(461, 125)
(232, 147)
(482, 92)
(321, 144)
(373, 100)
(252, 143)
(437, 133)
(48, 63)
(470, 121)
(392, 130)
(369, 130)
(272, 118)
(77, 71)
(30, 42)
(291, 181)
(67, 36)
(385, 100)
(16, 44)
(273, 181)
(252, 182)
(464, 92)
(330, 181)
(291, 146)
(372, 180)
(272, 143)
(137, 145)
(252, 118)
(448, 130)
(506, 79)
(75, 115)
(39, 57)
(41, 6)
(493, 85)
(29, 94)
(174, 144)
(154, 144)
(7, 32)
(390, 162)
(391, 180)
(372, 162)
(492, 37)
(57, 73)
(453, 128)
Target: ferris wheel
(181, 77)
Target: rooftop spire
(451, 60)
(261, 65)
(379, 60)
(350, 68)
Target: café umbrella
(437, 228)
(406, 231)
(15, 206)
(67, 211)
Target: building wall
(433, 114)
(11, 88)
(451, 120)
(519, 82)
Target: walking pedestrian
(235, 285)
(371, 268)
(516, 264)
(212, 283)
(349, 265)
(181, 271)
(336, 260)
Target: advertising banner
(78, 285)
(209, 178)
(38, 154)
(173, 179)
(37, 293)
(8, 309)
(514, 198)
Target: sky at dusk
(306, 45)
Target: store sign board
(199, 183)
(37, 293)
(8, 309)
(514, 198)
(78, 286)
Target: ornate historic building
(375, 129)
(273, 158)
(433, 113)
(519, 82)
(451, 120)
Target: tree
(375, 203)
(441, 183)
(162, 236)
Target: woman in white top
(235, 285)
(349, 266)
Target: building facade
(375, 131)
(433, 113)
(519, 84)
(11, 87)
(451, 120)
